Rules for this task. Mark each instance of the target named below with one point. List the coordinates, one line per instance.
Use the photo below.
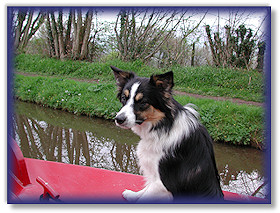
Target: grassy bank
(227, 122)
(243, 84)
(73, 96)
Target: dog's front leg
(132, 196)
(156, 192)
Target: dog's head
(143, 99)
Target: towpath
(234, 100)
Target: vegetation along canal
(54, 135)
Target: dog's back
(190, 168)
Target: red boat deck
(31, 178)
(74, 182)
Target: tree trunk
(212, 46)
(77, 31)
(193, 53)
(24, 40)
(260, 60)
(50, 37)
(67, 34)
(55, 35)
(84, 49)
(60, 36)
(20, 20)
(39, 20)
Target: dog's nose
(120, 119)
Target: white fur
(128, 108)
(151, 149)
(155, 192)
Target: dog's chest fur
(154, 145)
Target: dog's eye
(123, 99)
(143, 105)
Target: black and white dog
(175, 152)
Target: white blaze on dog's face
(126, 117)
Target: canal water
(55, 135)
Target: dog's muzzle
(120, 119)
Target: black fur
(190, 169)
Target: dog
(175, 153)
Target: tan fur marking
(125, 74)
(162, 84)
(158, 82)
(167, 95)
(126, 93)
(153, 115)
(139, 96)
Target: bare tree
(61, 41)
(234, 44)
(62, 45)
(141, 40)
(178, 49)
(26, 26)
(154, 34)
(86, 34)
(55, 34)
(77, 31)
(233, 51)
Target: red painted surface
(31, 178)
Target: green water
(54, 135)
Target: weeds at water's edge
(225, 121)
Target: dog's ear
(121, 76)
(164, 82)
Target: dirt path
(234, 100)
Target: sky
(254, 18)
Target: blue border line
(267, 70)
(9, 93)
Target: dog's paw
(130, 196)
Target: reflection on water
(53, 135)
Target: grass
(228, 122)
(234, 83)
(77, 97)
(225, 121)
(224, 82)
